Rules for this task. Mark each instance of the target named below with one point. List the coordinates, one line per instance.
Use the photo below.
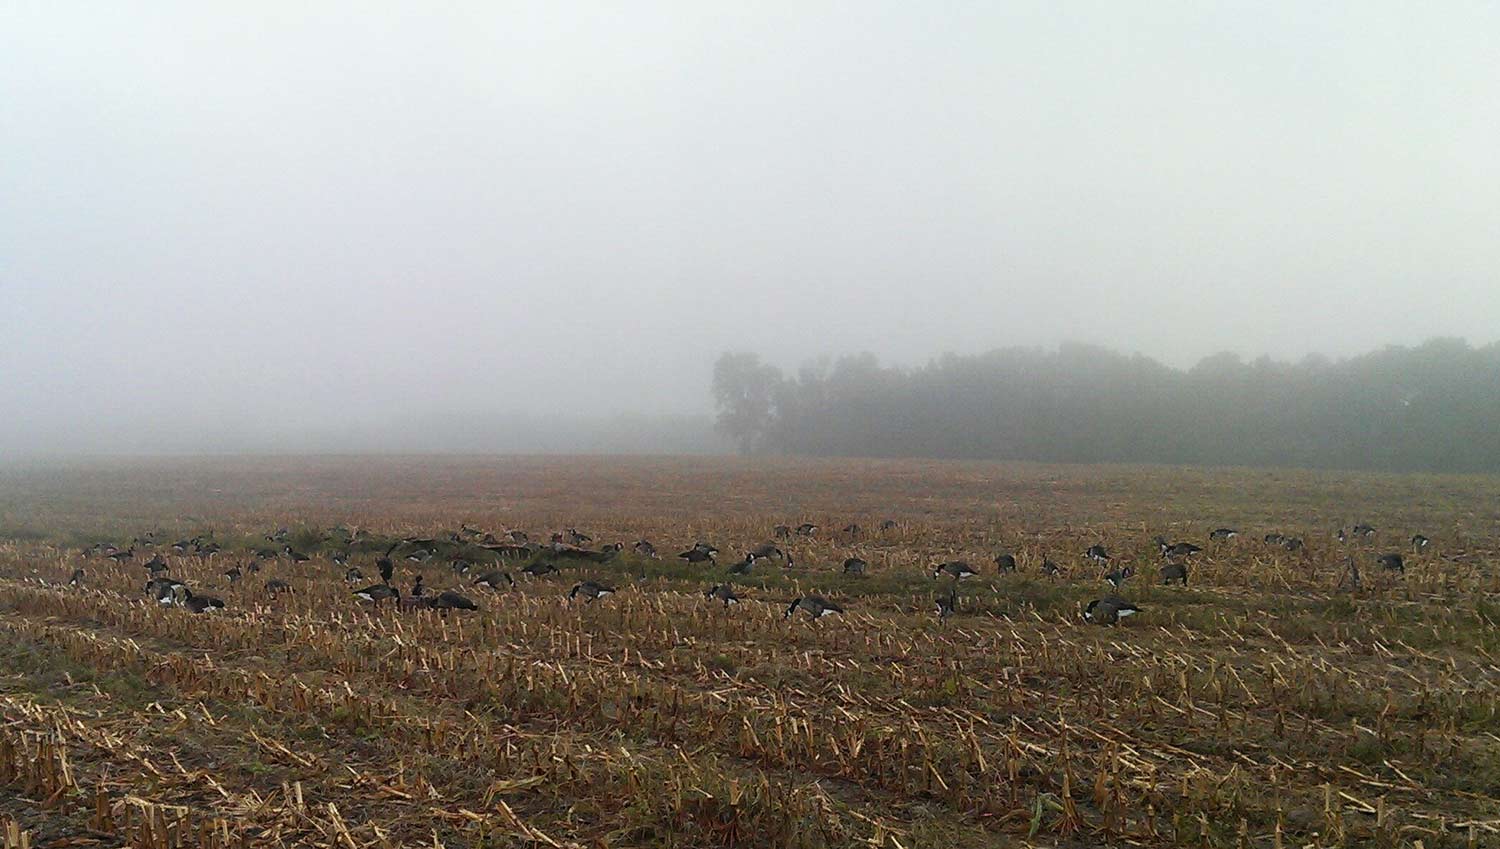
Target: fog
(375, 226)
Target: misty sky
(297, 214)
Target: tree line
(1434, 407)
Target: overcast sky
(306, 213)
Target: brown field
(1267, 704)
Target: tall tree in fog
(744, 393)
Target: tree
(744, 389)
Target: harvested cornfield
(1278, 694)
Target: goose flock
(462, 551)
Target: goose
(697, 555)
(1049, 568)
(540, 568)
(946, 605)
(494, 579)
(606, 553)
(264, 553)
(156, 567)
(591, 590)
(181, 546)
(463, 528)
(122, 556)
(352, 575)
(855, 566)
(807, 529)
(722, 592)
(417, 590)
(517, 536)
(460, 566)
(420, 555)
(578, 538)
(208, 549)
(1109, 610)
(450, 600)
(1419, 542)
(1174, 572)
(1363, 530)
(1392, 562)
(645, 549)
(162, 589)
(765, 549)
(276, 586)
(1005, 562)
(295, 555)
(386, 565)
(1097, 554)
(233, 574)
(376, 593)
(956, 568)
(744, 566)
(1117, 577)
(782, 532)
(816, 606)
(340, 558)
(197, 603)
(1275, 539)
(1175, 549)
(1293, 544)
(1219, 534)
(1342, 535)
(77, 579)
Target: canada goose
(77, 579)
(1363, 530)
(855, 566)
(1109, 610)
(697, 555)
(607, 552)
(1005, 562)
(888, 525)
(706, 547)
(296, 556)
(1175, 549)
(386, 565)
(1293, 544)
(1174, 572)
(645, 549)
(1097, 554)
(539, 568)
(1342, 535)
(782, 532)
(591, 590)
(460, 566)
(765, 549)
(450, 600)
(517, 536)
(494, 579)
(1116, 577)
(722, 592)
(281, 534)
(339, 558)
(417, 590)
(1277, 539)
(1219, 534)
(376, 593)
(807, 529)
(156, 565)
(946, 605)
(1419, 542)
(420, 555)
(956, 568)
(208, 549)
(276, 586)
(352, 575)
(743, 567)
(577, 537)
(181, 546)
(816, 606)
(123, 556)
(264, 553)
(1049, 568)
(233, 574)
(162, 589)
(463, 528)
(197, 603)
(1392, 562)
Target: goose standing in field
(765, 550)
(352, 575)
(722, 592)
(782, 532)
(957, 569)
(460, 566)
(294, 555)
(77, 579)
(697, 555)
(816, 607)
(1116, 577)
(946, 605)
(576, 537)
(1293, 544)
(495, 579)
(1392, 562)
(1050, 569)
(450, 600)
(1097, 554)
(1275, 539)
(744, 566)
(1005, 562)
(234, 574)
(1109, 610)
(386, 565)
(1419, 542)
(1174, 572)
(339, 558)
(517, 536)
(806, 529)
(645, 549)
(1221, 534)
(276, 587)
(162, 589)
(855, 566)
(1363, 530)
(539, 568)
(195, 603)
(376, 593)
(590, 590)
(417, 590)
